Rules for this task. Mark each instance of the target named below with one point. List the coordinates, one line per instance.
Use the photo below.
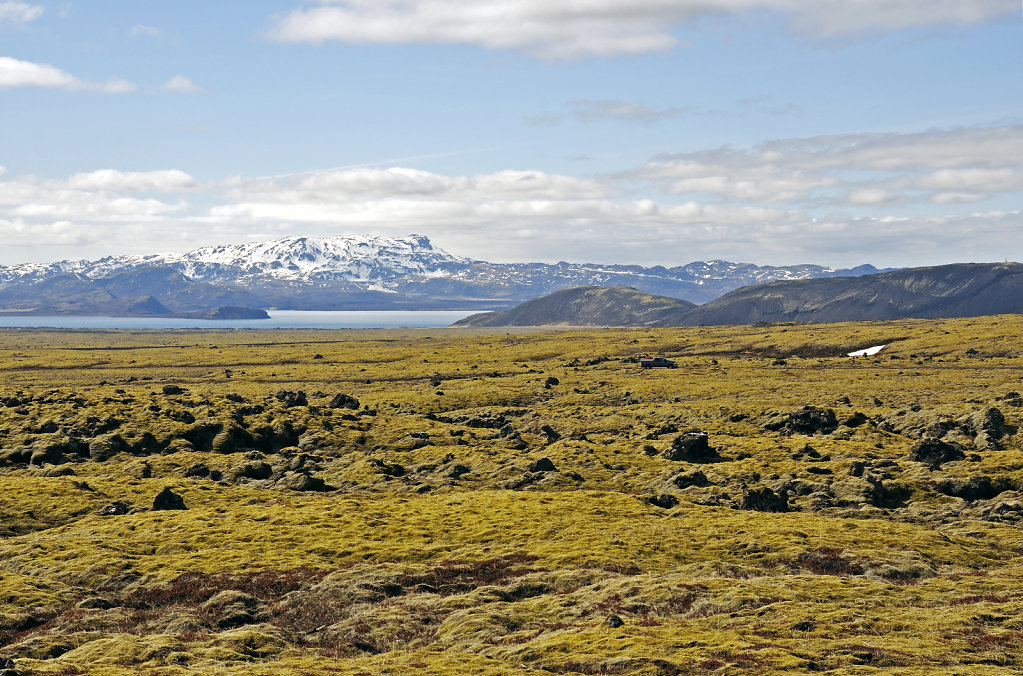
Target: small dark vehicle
(657, 362)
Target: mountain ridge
(946, 291)
(588, 306)
(365, 272)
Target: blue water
(279, 319)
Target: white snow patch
(866, 352)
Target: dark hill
(961, 290)
(589, 306)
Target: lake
(279, 319)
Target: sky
(648, 132)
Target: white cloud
(19, 12)
(944, 166)
(599, 111)
(143, 31)
(585, 28)
(15, 73)
(726, 206)
(169, 180)
(181, 84)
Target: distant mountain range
(962, 290)
(347, 272)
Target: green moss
(438, 550)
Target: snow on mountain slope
(360, 259)
(412, 266)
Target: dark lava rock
(934, 452)
(254, 470)
(543, 465)
(236, 398)
(888, 495)
(106, 446)
(198, 471)
(551, 382)
(856, 468)
(855, 420)
(692, 447)
(117, 508)
(290, 399)
(168, 499)
(387, 468)
(818, 470)
(51, 453)
(807, 420)
(181, 416)
(614, 621)
(665, 500)
(457, 471)
(551, 434)
(172, 389)
(974, 488)
(344, 401)
(303, 482)
(7, 668)
(664, 429)
(48, 427)
(990, 422)
(696, 478)
(763, 499)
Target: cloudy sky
(630, 131)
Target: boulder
(543, 465)
(550, 433)
(974, 488)
(614, 621)
(297, 481)
(167, 500)
(173, 389)
(807, 420)
(344, 401)
(197, 471)
(390, 469)
(763, 499)
(116, 508)
(47, 452)
(855, 420)
(664, 500)
(254, 470)
(231, 439)
(935, 452)
(106, 446)
(290, 399)
(691, 447)
(696, 478)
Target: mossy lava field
(491, 502)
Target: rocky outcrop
(691, 447)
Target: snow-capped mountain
(361, 259)
(358, 272)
